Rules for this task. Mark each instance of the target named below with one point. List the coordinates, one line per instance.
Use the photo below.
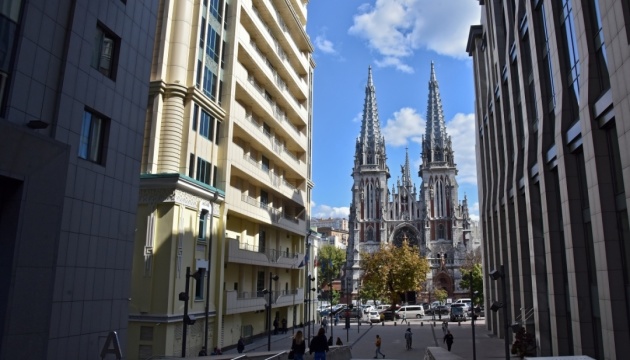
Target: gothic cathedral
(433, 219)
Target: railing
(250, 295)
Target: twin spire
(436, 144)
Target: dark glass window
(92, 137)
(204, 169)
(105, 51)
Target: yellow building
(226, 176)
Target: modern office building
(73, 90)
(226, 176)
(552, 111)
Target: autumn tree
(393, 270)
(441, 295)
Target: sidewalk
(361, 339)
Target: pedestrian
(275, 326)
(444, 327)
(408, 335)
(319, 345)
(448, 339)
(298, 346)
(330, 341)
(325, 324)
(378, 347)
(336, 319)
(240, 346)
(339, 342)
(284, 325)
(203, 351)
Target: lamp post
(496, 275)
(184, 296)
(205, 341)
(309, 290)
(272, 278)
(472, 321)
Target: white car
(373, 316)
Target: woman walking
(319, 345)
(298, 346)
(448, 339)
(378, 347)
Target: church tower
(366, 225)
(447, 222)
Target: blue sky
(399, 39)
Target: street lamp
(214, 199)
(472, 321)
(309, 294)
(496, 275)
(272, 277)
(184, 296)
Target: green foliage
(441, 295)
(336, 295)
(391, 271)
(477, 283)
(331, 261)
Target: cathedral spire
(436, 142)
(406, 170)
(370, 147)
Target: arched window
(441, 232)
(370, 234)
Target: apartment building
(552, 108)
(73, 92)
(222, 226)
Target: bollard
(459, 323)
(422, 323)
(383, 323)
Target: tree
(393, 270)
(477, 283)
(441, 295)
(331, 261)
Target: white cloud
(396, 28)
(358, 118)
(462, 131)
(395, 62)
(325, 211)
(324, 45)
(407, 125)
(474, 211)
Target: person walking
(448, 339)
(408, 335)
(378, 348)
(325, 324)
(284, 325)
(240, 346)
(298, 346)
(275, 326)
(444, 327)
(319, 345)
(339, 342)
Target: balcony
(255, 255)
(236, 303)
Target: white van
(410, 311)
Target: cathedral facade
(429, 216)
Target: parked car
(373, 316)
(389, 313)
(353, 313)
(458, 313)
(410, 311)
(382, 307)
(440, 309)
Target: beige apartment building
(552, 112)
(226, 176)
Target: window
(105, 52)
(199, 284)
(92, 140)
(203, 219)
(203, 171)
